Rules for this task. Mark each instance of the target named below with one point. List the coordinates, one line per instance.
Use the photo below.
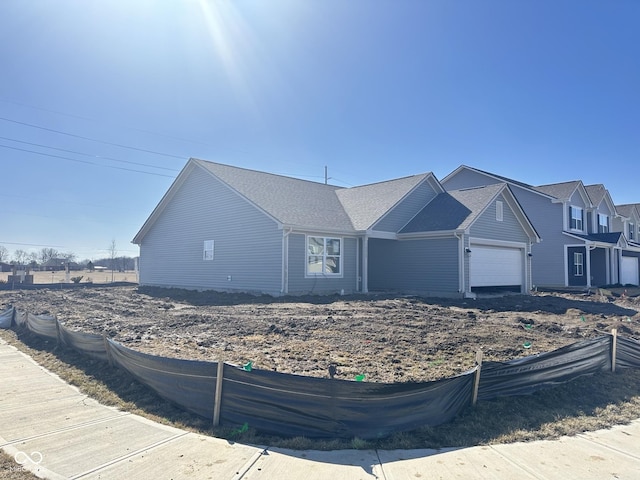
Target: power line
(91, 139)
(85, 161)
(89, 155)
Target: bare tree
(47, 254)
(4, 253)
(20, 257)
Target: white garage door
(495, 266)
(629, 271)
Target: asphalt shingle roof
(453, 210)
(561, 191)
(366, 204)
(303, 203)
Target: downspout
(284, 288)
(461, 260)
(529, 268)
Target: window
(324, 256)
(603, 223)
(576, 218)
(207, 253)
(499, 211)
(632, 231)
(578, 265)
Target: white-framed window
(603, 223)
(578, 264)
(499, 211)
(632, 231)
(324, 256)
(576, 218)
(207, 251)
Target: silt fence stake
(614, 349)
(218, 398)
(476, 380)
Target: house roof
(456, 209)
(612, 238)
(561, 191)
(288, 200)
(627, 210)
(596, 193)
(366, 204)
(301, 203)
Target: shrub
(76, 279)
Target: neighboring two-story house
(628, 222)
(579, 247)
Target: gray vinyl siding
(577, 201)
(300, 284)
(548, 261)
(408, 208)
(509, 229)
(467, 179)
(248, 244)
(425, 266)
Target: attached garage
(496, 266)
(629, 270)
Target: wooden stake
(107, 349)
(218, 398)
(476, 380)
(614, 349)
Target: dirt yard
(385, 338)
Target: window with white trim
(207, 252)
(324, 256)
(603, 223)
(578, 264)
(632, 231)
(499, 211)
(576, 218)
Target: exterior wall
(399, 216)
(300, 284)
(509, 229)
(467, 179)
(247, 250)
(425, 266)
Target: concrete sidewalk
(53, 430)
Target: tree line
(46, 256)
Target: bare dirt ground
(385, 338)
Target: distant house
(59, 264)
(5, 267)
(221, 227)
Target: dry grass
(11, 470)
(586, 404)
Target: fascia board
(297, 229)
(439, 234)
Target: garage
(493, 266)
(629, 270)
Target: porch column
(365, 264)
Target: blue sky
(103, 102)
